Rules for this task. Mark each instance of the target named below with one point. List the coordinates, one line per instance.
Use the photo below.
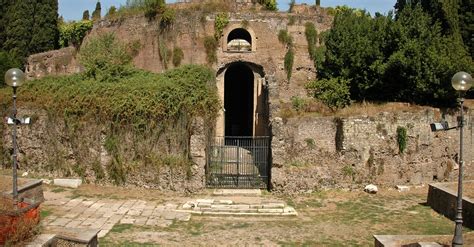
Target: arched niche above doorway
(239, 39)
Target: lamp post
(461, 82)
(14, 78)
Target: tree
(85, 15)
(7, 61)
(45, 33)
(466, 24)
(112, 11)
(97, 14)
(19, 27)
(318, 3)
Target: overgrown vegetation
(312, 39)
(178, 56)
(210, 44)
(401, 138)
(132, 108)
(285, 38)
(72, 33)
(333, 92)
(105, 58)
(269, 4)
(221, 21)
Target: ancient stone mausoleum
(254, 144)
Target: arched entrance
(239, 153)
(238, 100)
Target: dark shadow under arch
(238, 100)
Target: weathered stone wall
(53, 146)
(313, 152)
(188, 33)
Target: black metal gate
(238, 162)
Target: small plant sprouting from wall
(178, 56)
(221, 21)
(167, 18)
(285, 38)
(289, 60)
(312, 39)
(401, 138)
(164, 52)
(210, 45)
(310, 143)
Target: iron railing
(238, 162)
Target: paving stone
(73, 224)
(183, 216)
(73, 202)
(102, 233)
(89, 222)
(127, 221)
(141, 221)
(147, 212)
(96, 205)
(114, 219)
(88, 202)
(171, 206)
(71, 215)
(169, 215)
(108, 214)
(134, 212)
(115, 206)
(60, 222)
(108, 226)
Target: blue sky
(72, 9)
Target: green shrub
(163, 51)
(72, 33)
(298, 103)
(105, 58)
(269, 4)
(291, 20)
(167, 17)
(178, 55)
(210, 45)
(333, 92)
(401, 138)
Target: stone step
(237, 192)
(228, 207)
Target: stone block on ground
(403, 188)
(371, 189)
(69, 183)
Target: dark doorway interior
(238, 100)
(239, 33)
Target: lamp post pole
(461, 82)
(15, 151)
(14, 78)
(458, 239)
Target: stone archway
(243, 91)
